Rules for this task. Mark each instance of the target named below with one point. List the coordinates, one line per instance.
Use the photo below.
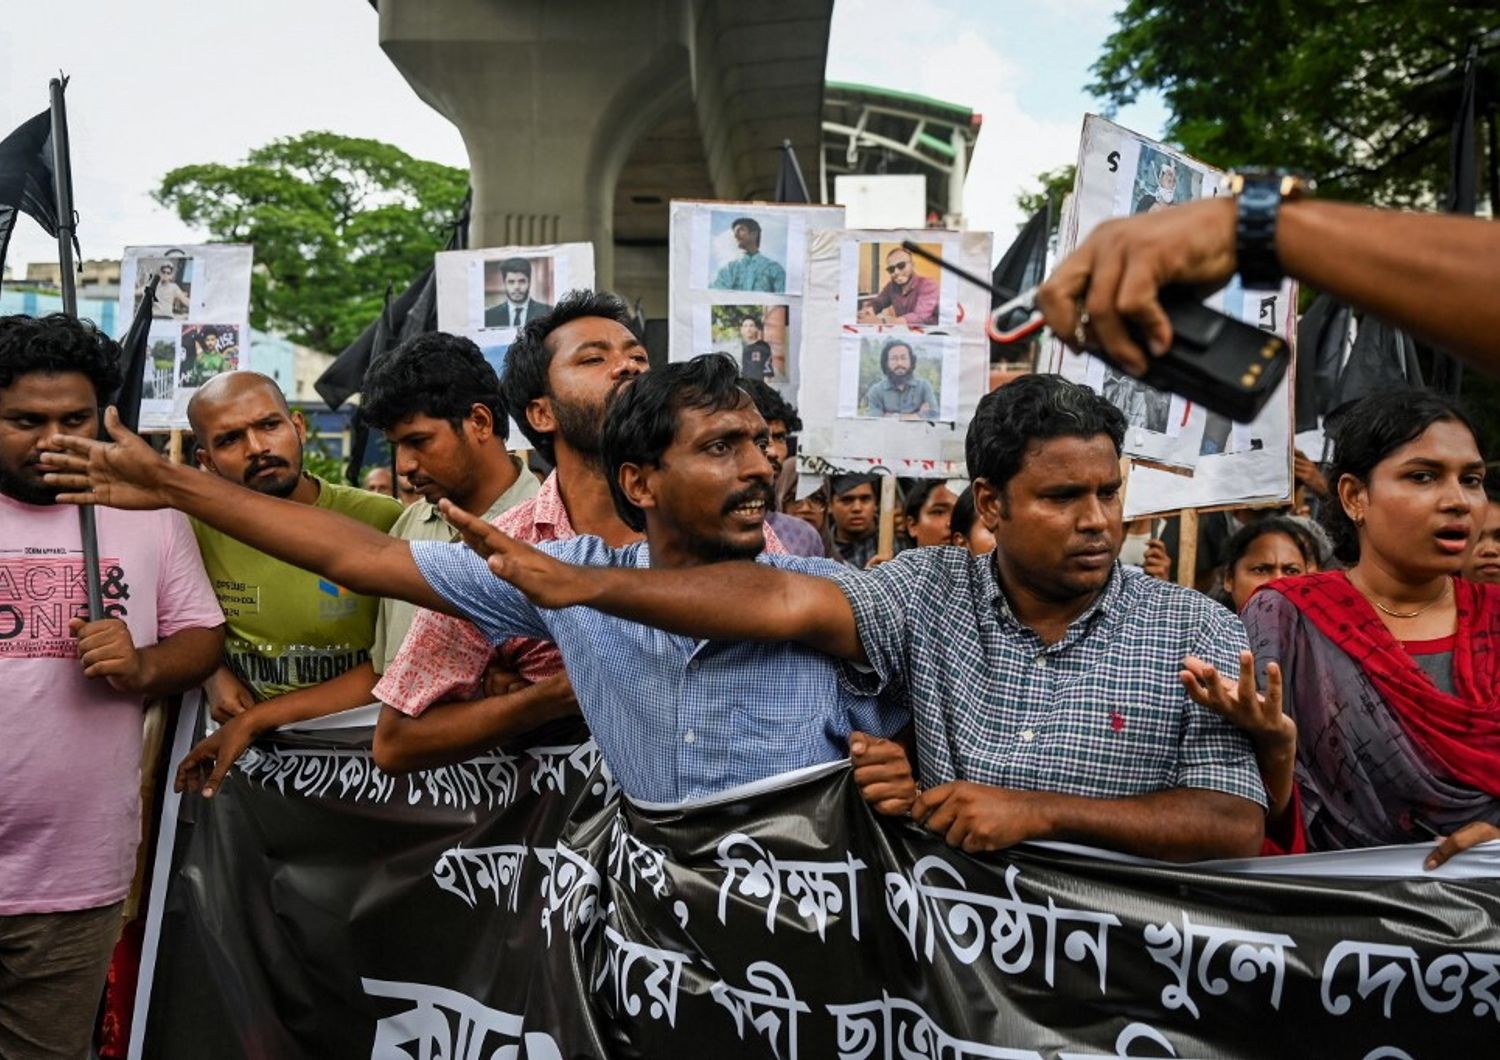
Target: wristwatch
(1260, 193)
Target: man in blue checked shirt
(675, 718)
(1043, 678)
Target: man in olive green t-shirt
(437, 401)
(286, 628)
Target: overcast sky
(153, 89)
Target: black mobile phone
(1221, 363)
(1216, 361)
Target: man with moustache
(559, 375)
(907, 298)
(901, 393)
(287, 629)
(674, 718)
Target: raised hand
(547, 582)
(883, 773)
(1261, 717)
(122, 473)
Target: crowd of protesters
(1015, 664)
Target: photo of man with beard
(900, 392)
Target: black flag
(790, 187)
(133, 357)
(26, 184)
(1020, 269)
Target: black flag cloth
(127, 400)
(26, 184)
(1447, 372)
(1020, 269)
(790, 187)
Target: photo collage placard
(738, 279)
(200, 321)
(1185, 455)
(895, 355)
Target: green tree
(334, 219)
(1358, 93)
(1052, 185)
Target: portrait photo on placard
(1143, 406)
(748, 251)
(905, 377)
(754, 336)
(208, 350)
(174, 288)
(159, 379)
(896, 287)
(1162, 181)
(516, 291)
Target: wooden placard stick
(1187, 547)
(174, 446)
(887, 542)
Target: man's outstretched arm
(738, 600)
(128, 473)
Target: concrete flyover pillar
(554, 98)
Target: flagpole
(62, 173)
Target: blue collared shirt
(675, 718)
(1099, 713)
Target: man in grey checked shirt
(1043, 678)
(674, 718)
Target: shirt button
(692, 664)
(689, 737)
(1041, 660)
(1027, 736)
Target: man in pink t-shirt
(73, 690)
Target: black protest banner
(513, 906)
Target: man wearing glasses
(906, 298)
(169, 295)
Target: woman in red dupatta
(1390, 669)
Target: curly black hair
(59, 343)
(436, 374)
(1368, 432)
(528, 359)
(642, 418)
(1033, 408)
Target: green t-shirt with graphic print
(287, 628)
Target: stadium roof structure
(870, 130)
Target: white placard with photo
(488, 295)
(892, 368)
(1121, 173)
(200, 321)
(737, 281)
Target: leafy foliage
(1052, 186)
(1358, 93)
(334, 219)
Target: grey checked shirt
(1100, 713)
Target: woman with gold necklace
(1390, 669)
